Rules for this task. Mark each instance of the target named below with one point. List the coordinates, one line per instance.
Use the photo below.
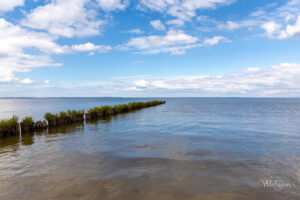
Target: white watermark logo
(276, 184)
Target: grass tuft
(107, 110)
(7, 124)
(50, 116)
(27, 120)
(75, 112)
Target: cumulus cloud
(275, 30)
(26, 81)
(289, 11)
(158, 43)
(67, 18)
(9, 5)
(233, 25)
(182, 10)
(280, 23)
(135, 31)
(90, 47)
(47, 82)
(17, 43)
(109, 5)
(176, 22)
(271, 28)
(182, 52)
(215, 40)
(14, 40)
(291, 30)
(281, 80)
(230, 25)
(158, 25)
(172, 37)
(176, 42)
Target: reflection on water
(186, 149)
(67, 128)
(27, 139)
(10, 144)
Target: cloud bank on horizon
(149, 48)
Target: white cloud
(174, 50)
(173, 37)
(90, 47)
(66, 18)
(17, 45)
(156, 24)
(232, 25)
(285, 12)
(179, 52)
(253, 69)
(147, 84)
(47, 82)
(174, 41)
(135, 31)
(277, 81)
(288, 11)
(186, 5)
(9, 5)
(271, 28)
(109, 5)
(14, 40)
(215, 40)
(204, 18)
(6, 75)
(176, 22)
(291, 30)
(141, 83)
(22, 63)
(26, 81)
(281, 80)
(183, 10)
(277, 22)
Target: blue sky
(243, 48)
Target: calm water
(189, 148)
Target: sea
(188, 148)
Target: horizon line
(151, 97)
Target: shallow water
(188, 148)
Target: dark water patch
(27, 139)
(9, 145)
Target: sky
(147, 48)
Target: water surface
(188, 148)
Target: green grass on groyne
(104, 111)
(9, 127)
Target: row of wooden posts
(12, 127)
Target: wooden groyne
(28, 125)
(55, 120)
(12, 127)
(9, 127)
